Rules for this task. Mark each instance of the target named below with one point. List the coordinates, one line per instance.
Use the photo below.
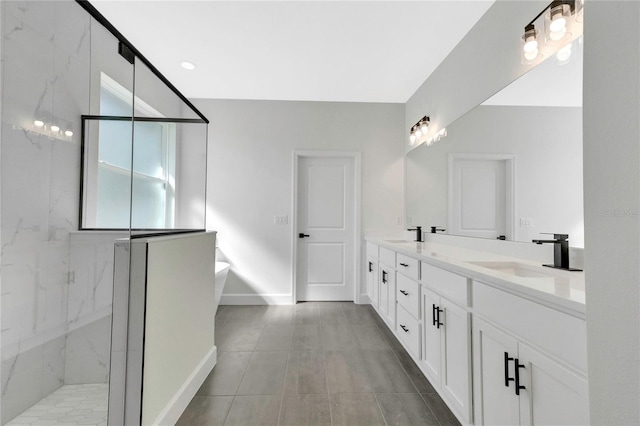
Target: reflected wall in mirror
(537, 121)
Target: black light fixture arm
(571, 3)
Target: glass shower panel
(169, 176)
(169, 158)
(107, 139)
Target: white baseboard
(256, 299)
(182, 398)
(364, 299)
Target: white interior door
(325, 219)
(478, 205)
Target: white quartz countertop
(563, 290)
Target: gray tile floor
(325, 363)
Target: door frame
(355, 156)
(510, 188)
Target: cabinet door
(554, 394)
(391, 300)
(456, 357)
(431, 348)
(387, 290)
(372, 281)
(495, 401)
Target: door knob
(301, 235)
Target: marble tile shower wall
(90, 295)
(46, 66)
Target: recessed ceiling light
(188, 65)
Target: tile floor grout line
(326, 381)
(284, 383)
(357, 314)
(413, 382)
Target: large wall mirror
(511, 166)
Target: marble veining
(46, 75)
(70, 405)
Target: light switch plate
(526, 222)
(281, 220)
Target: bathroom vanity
(501, 339)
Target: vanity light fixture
(45, 128)
(530, 39)
(561, 21)
(557, 22)
(419, 130)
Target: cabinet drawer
(372, 250)
(408, 295)
(408, 266)
(388, 256)
(557, 333)
(453, 286)
(408, 331)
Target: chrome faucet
(560, 251)
(418, 230)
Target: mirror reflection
(512, 166)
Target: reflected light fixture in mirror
(562, 23)
(418, 131)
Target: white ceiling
(345, 51)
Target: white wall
(477, 68)
(179, 351)
(612, 203)
(547, 144)
(251, 146)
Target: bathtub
(222, 269)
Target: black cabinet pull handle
(370, 267)
(438, 318)
(384, 277)
(406, 330)
(301, 235)
(433, 314)
(518, 366)
(404, 264)
(404, 292)
(507, 379)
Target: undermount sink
(517, 269)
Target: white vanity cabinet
(372, 281)
(408, 304)
(496, 352)
(524, 370)
(387, 287)
(372, 274)
(446, 349)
